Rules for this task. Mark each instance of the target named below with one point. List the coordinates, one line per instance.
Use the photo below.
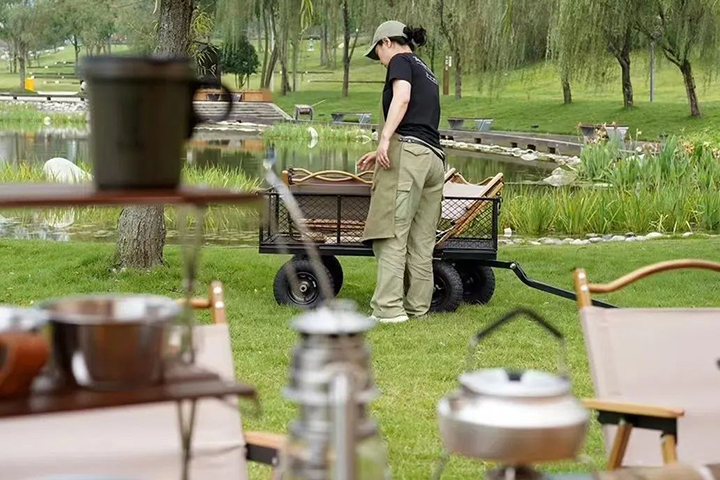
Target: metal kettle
(513, 417)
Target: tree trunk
(333, 38)
(689, 79)
(266, 52)
(432, 56)
(324, 57)
(627, 87)
(458, 75)
(109, 46)
(141, 229)
(271, 66)
(76, 46)
(346, 48)
(567, 91)
(295, 55)
(21, 61)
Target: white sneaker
(398, 319)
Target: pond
(19, 148)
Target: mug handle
(196, 119)
(25, 355)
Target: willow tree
(454, 20)
(685, 30)
(584, 33)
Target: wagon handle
(485, 332)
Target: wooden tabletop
(187, 383)
(62, 194)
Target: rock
(629, 234)
(580, 242)
(631, 239)
(504, 241)
(519, 241)
(687, 234)
(59, 169)
(567, 241)
(591, 235)
(560, 177)
(507, 232)
(617, 238)
(653, 235)
(550, 241)
(596, 240)
(533, 242)
(529, 157)
(640, 238)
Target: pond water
(19, 148)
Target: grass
(415, 363)
(21, 116)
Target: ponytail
(417, 36)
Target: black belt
(435, 150)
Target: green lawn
(415, 363)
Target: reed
(18, 116)
(300, 132)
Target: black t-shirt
(423, 114)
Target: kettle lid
(508, 383)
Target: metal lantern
(331, 382)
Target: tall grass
(219, 220)
(673, 190)
(299, 132)
(13, 115)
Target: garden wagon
(334, 206)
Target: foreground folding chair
(140, 442)
(655, 370)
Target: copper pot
(23, 349)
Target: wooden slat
(669, 449)
(632, 408)
(63, 194)
(188, 383)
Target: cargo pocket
(416, 149)
(402, 201)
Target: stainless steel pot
(111, 342)
(513, 417)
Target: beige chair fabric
(663, 357)
(457, 208)
(135, 443)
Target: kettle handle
(485, 332)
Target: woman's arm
(396, 112)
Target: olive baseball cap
(387, 29)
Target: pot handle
(485, 332)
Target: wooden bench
(363, 118)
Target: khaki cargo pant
(404, 261)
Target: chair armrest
(264, 447)
(632, 408)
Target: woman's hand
(381, 155)
(367, 161)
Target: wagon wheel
(335, 269)
(303, 288)
(478, 282)
(448, 288)
(333, 265)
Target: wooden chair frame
(630, 415)
(261, 447)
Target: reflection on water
(208, 149)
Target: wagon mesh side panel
(329, 219)
(340, 220)
(475, 223)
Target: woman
(408, 180)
